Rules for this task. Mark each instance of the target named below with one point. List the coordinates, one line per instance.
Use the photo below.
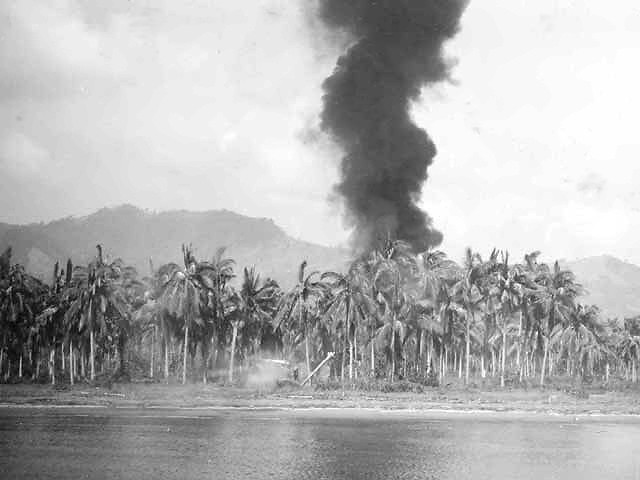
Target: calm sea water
(327, 444)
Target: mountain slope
(138, 236)
(611, 284)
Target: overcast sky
(201, 104)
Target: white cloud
(201, 105)
(20, 156)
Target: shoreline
(436, 401)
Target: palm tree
(95, 295)
(19, 293)
(508, 290)
(580, 337)
(556, 299)
(294, 306)
(250, 311)
(437, 272)
(349, 294)
(131, 294)
(220, 273)
(467, 294)
(397, 284)
(182, 295)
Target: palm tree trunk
(544, 361)
(52, 365)
(62, 357)
(20, 366)
(92, 354)
(303, 321)
(184, 361)
(153, 344)
(468, 349)
(233, 350)
(429, 354)
(373, 359)
(343, 360)
(504, 356)
(350, 360)
(83, 370)
(71, 364)
(166, 357)
(306, 353)
(393, 349)
(355, 353)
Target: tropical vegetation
(392, 314)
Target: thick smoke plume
(398, 49)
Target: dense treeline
(392, 315)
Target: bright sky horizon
(203, 105)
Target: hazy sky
(201, 104)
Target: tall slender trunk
(1, 360)
(350, 341)
(393, 348)
(303, 321)
(234, 335)
(52, 365)
(92, 354)
(71, 364)
(429, 354)
(504, 356)
(83, 370)
(355, 353)
(350, 360)
(62, 357)
(153, 344)
(373, 358)
(519, 347)
(343, 360)
(544, 361)
(306, 353)
(20, 366)
(184, 361)
(166, 357)
(468, 349)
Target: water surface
(327, 444)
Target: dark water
(189, 444)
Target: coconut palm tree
(220, 273)
(397, 283)
(468, 296)
(182, 295)
(349, 295)
(556, 297)
(95, 295)
(295, 305)
(254, 305)
(580, 337)
(19, 295)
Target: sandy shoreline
(432, 401)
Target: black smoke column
(398, 48)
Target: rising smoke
(398, 49)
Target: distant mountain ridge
(612, 284)
(137, 236)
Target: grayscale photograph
(319, 239)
